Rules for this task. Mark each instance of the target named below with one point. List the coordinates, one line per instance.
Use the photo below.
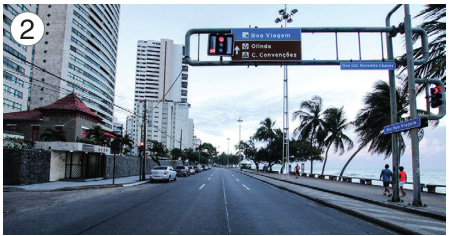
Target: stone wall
(129, 165)
(26, 166)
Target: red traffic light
(437, 89)
(221, 39)
(142, 144)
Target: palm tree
(372, 119)
(125, 143)
(97, 134)
(51, 134)
(332, 134)
(435, 27)
(265, 132)
(310, 121)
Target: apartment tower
(161, 84)
(78, 53)
(17, 73)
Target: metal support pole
(240, 136)
(113, 172)
(413, 113)
(393, 112)
(145, 138)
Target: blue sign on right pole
(368, 66)
(398, 127)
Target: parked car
(192, 170)
(197, 169)
(200, 167)
(205, 167)
(166, 173)
(182, 171)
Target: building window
(11, 104)
(35, 133)
(12, 128)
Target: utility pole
(144, 138)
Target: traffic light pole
(413, 112)
(393, 111)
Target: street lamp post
(240, 135)
(287, 17)
(227, 157)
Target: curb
(18, 189)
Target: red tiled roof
(70, 102)
(23, 115)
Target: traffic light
(436, 96)
(141, 148)
(221, 45)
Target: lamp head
(281, 12)
(294, 11)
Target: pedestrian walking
(297, 170)
(402, 180)
(385, 176)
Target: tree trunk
(325, 160)
(350, 159)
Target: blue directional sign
(266, 34)
(368, 66)
(398, 127)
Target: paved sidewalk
(367, 202)
(71, 185)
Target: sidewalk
(72, 185)
(367, 202)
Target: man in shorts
(402, 180)
(385, 176)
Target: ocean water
(436, 176)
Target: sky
(219, 96)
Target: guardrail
(431, 188)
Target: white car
(166, 173)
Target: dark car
(197, 169)
(182, 171)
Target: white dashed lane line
(202, 186)
(245, 186)
(238, 180)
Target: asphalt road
(217, 201)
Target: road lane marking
(209, 178)
(237, 179)
(226, 206)
(202, 186)
(245, 186)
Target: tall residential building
(161, 84)
(17, 73)
(160, 71)
(77, 53)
